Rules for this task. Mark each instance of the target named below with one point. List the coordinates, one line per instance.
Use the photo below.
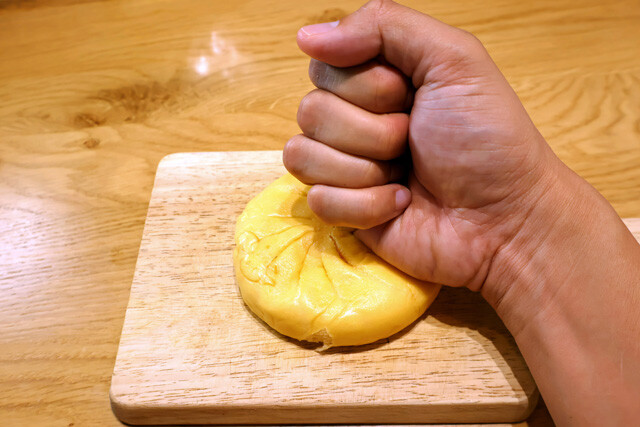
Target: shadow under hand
(468, 311)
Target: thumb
(411, 41)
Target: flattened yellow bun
(315, 282)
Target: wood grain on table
(94, 93)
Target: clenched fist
(405, 98)
(416, 139)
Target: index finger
(374, 86)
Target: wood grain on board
(94, 93)
(191, 352)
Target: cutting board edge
(129, 412)
(126, 409)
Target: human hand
(392, 79)
(488, 204)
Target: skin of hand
(403, 97)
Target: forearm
(568, 288)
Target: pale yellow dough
(315, 282)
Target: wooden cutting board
(191, 352)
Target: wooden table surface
(94, 93)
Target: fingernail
(403, 197)
(315, 29)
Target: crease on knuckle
(379, 93)
(389, 171)
(390, 139)
(370, 211)
(374, 173)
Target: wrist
(566, 286)
(562, 229)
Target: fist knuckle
(303, 112)
(471, 45)
(293, 156)
(464, 50)
(382, 96)
(322, 75)
(316, 72)
(308, 112)
(389, 90)
(379, 6)
(317, 204)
